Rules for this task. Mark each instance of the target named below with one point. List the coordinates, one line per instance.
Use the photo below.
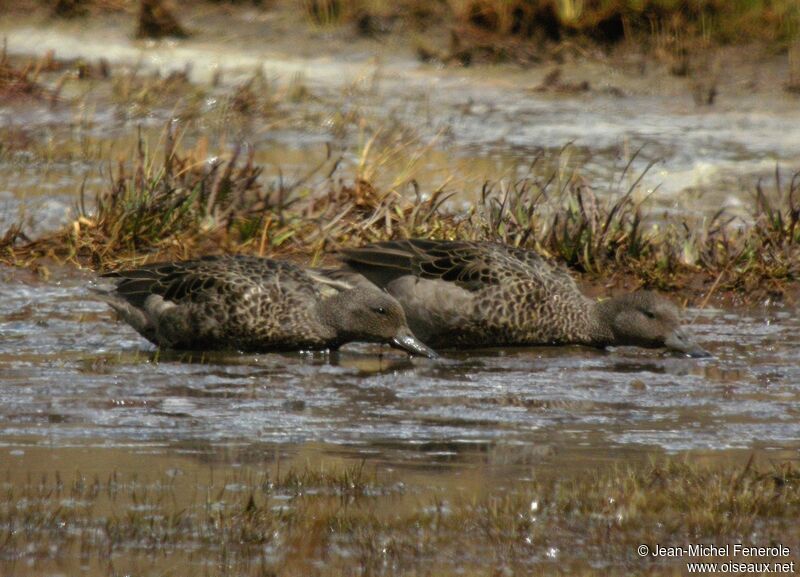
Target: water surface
(72, 376)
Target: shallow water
(84, 397)
(72, 376)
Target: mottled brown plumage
(254, 304)
(458, 293)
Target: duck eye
(380, 310)
(649, 314)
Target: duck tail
(126, 311)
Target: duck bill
(682, 342)
(405, 340)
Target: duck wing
(470, 265)
(175, 281)
(334, 280)
(215, 302)
(194, 280)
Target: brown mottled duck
(254, 304)
(476, 294)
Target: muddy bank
(172, 202)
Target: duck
(254, 304)
(482, 294)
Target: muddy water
(71, 376)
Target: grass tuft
(17, 83)
(157, 20)
(175, 203)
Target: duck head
(372, 315)
(644, 319)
